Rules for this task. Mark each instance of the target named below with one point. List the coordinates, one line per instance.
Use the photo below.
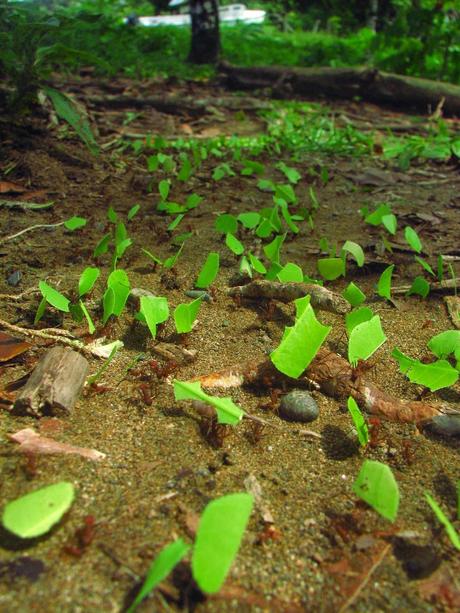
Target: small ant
(255, 431)
(375, 433)
(146, 393)
(269, 533)
(84, 536)
(214, 432)
(163, 371)
(408, 452)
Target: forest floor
(325, 550)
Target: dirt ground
(326, 551)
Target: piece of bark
(346, 83)
(33, 443)
(320, 297)
(54, 385)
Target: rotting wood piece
(320, 297)
(54, 385)
(345, 83)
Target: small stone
(198, 293)
(298, 405)
(135, 295)
(445, 424)
(14, 278)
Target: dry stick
(434, 287)
(18, 297)
(38, 225)
(59, 338)
(365, 581)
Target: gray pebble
(298, 405)
(14, 278)
(445, 424)
(198, 293)
(136, 293)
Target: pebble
(136, 294)
(198, 293)
(298, 405)
(446, 424)
(14, 278)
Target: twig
(59, 338)
(434, 287)
(38, 225)
(365, 580)
(17, 297)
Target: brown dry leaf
(186, 128)
(11, 347)
(7, 187)
(453, 308)
(441, 588)
(32, 442)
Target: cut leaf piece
(365, 339)
(390, 222)
(445, 343)
(87, 280)
(377, 486)
(160, 568)
(420, 286)
(227, 411)
(354, 295)
(291, 273)
(331, 268)
(234, 244)
(435, 376)
(301, 342)
(34, 514)
(375, 218)
(53, 297)
(412, 239)
(444, 520)
(218, 539)
(355, 250)
(74, 223)
(155, 310)
(358, 316)
(384, 283)
(249, 220)
(359, 421)
(209, 271)
(185, 315)
(272, 250)
(227, 224)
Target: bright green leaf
(359, 421)
(412, 239)
(35, 513)
(331, 268)
(227, 411)
(218, 539)
(87, 280)
(354, 295)
(185, 315)
(357, 316)
(155, 310)
(53, 297)
(249, 220)
(420, 286)
(355, 250)
(74, 223)
(365, 339)
(209, 271)
(133, 211)
(234, 244)
(377, 486)
(444, 520)
(384, 283)
(226, 224)
(445, 343)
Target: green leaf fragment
(412, 239)
(375, 218)
(35, 513)
(301, 342)
(390, 222)
(218, 539)
(155, 310)
(424, 264)
(353, 294)
(53, 297)
(234, 244)
(209, 271)
(365, 339)
(377, 486)
(357, 316)
(185, 315)
(359, 421)
(445, 343)
(160, 568)
(87, 280)
(331, 268)
(227, 411)
(133, 211)
(226, 224)
(74, 223)
(420, 287)
(355, 250)
(249, 220)
(272, 250)
(291, 273)
(444, 520)
(384, 283)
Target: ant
(163, 371)
(84, 536)
(255, 431)
(269, 533)
(214, 432)
(375, 432)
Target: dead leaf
(453, 308)
(7, 187)
(11, 347)
(32, 442)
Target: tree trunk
(205, 45)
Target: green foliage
(209, 271)
(365, 339)
(445, 343)
(435, 375)
(185, 315)
(331, 268)
(301, 342)
(377, 486)
(357, 316)
(35, 513)
(444, 520)
(116, 294)
(218, 539)
(354, 294)
(227, 411)
(160, 568)
(154, 310)
(359, 421)
(384, 282)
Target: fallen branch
(320, 297)
(29, 229)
